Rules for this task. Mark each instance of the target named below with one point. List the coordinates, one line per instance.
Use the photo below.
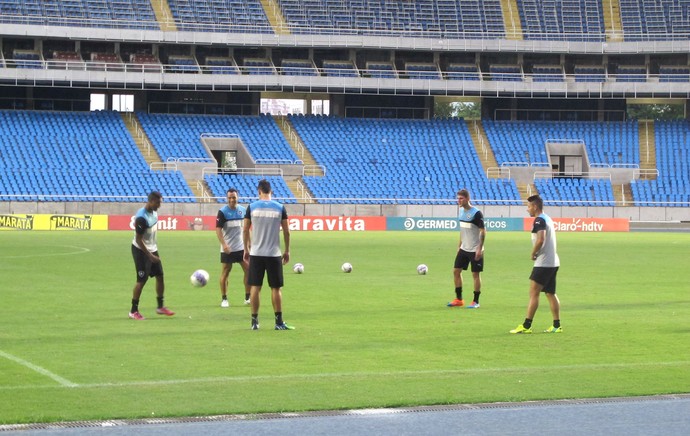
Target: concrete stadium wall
(644, 214)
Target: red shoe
(165, 311)
(456, 303)
(136, 315)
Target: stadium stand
(178, 136)
(548, 73)
(334, 68)
(259, 66)
(572, 20)
(608, 143)
(130, 14)
(674, 73)
(576, 191)
(29, 59)
(508, 73)
(463, 72)
(381, 70)
(66, 61)
(447, 18)
(423, 71)
(298, 67)
(631, 73)
(144, 62)
(221, 65)
(105, 62)
(655, 20)
(672, 186)
(183, 64)
(590, 73)
(245, 16)
(70, 156)
(396, 161)
(246, 185)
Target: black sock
(246, 296)
(556, 323)
(160, 301)
(255, 318)
(279, 318)
(458, 293)
(527, 324)
(225, 297)
(476, 296)
(135, 306)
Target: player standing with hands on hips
(546, 263)
(261, 234)
(229, 232)
(470, 249)
(145, 254)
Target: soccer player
(546, 263)
(229, 232)
(470, 249)
(261, 234)
(145, 254)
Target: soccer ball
(422, 269)
(347, 267)
(298, 268)
(199, 278)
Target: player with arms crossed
(229, 232)
(261, 233)
(145, 254)
(470, 249)
(546, 263)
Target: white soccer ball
(199, 278)
(298, 268)
(347, 267)
(422, 269)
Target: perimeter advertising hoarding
(586, 224)
(53, 222)
(296, 223)
(451, 224)
(77, 222)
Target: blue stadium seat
(77, 156)
(396, 161)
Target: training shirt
(145, 223)
(230, 220)
(265, 217)
(547, 256)
(471, 222)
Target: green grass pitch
(378, 337)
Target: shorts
(144, 267)
(466, 258)
(545, 276)
(271, 266)
(233, 257)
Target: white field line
(62, 381)
(525, 369)
(78, 250)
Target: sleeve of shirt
(140, 225)
(248, 213)
(284, 214)
(478, 220)
(220, 219)
(539, 224)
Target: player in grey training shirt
(261, 234)
(229, 233)
(546, 263)
(470, 249)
